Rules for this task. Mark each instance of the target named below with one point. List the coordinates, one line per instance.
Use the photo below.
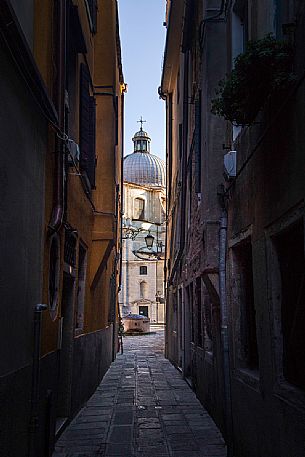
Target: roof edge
(173, 35)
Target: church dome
(145, 169)
(141, 167)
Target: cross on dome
(142, 122)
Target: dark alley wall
(23, 136)
(235, 237)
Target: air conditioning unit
(229, 161)
(73, 152)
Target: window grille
(70, 249)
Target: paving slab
(142, 408)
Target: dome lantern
(141, 140)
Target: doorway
(187, 331)
(143, 311)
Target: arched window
(143, 289)
(139, 209)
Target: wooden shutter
(197, 145)
(87, 126)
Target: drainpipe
(121, 214)
(116, 261)
(122, 189)
(34, 416)
(169, 110)
(224, 324)
(59, 189)
(215, 18)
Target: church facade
(144, 209)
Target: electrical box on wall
(73, 152)
(229, 161)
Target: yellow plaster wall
(95, 230)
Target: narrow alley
(142, 408)
(152, 177)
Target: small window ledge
(290, 394)
(249, 377)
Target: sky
(142, 40)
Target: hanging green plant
(264, 68)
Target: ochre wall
(95, 230)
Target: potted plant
(263, 69)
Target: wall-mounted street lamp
(147, 252)
(149, 240)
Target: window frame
(143, 268)
(281, 386)
(244, 373)
(141, 216)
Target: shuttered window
(197, 145)
(92, 13)
(87, 126)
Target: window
(143, 270)
(142, 145)
(139, 209)
(239, 40)
(241, 10)
(290, 252)
(248, 352)
(163, 203)
(284, 19)
(82, 267)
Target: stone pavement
(142, 408)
